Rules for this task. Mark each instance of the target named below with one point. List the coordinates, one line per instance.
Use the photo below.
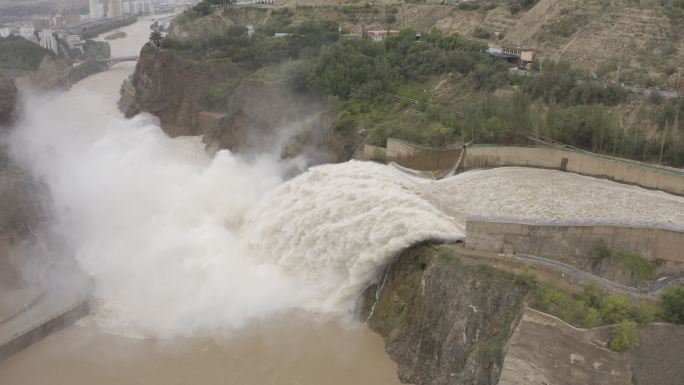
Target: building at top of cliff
(96, 9)
(47, 40)
(380, 36)
(115, 8)
(41, 21)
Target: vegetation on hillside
(672, 305)
(381, 90)
(94, 50)
(637, 266)
(17, 53)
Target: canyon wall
(444, 322)
(232, 107)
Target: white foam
(336, 226)
(181, 243)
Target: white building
(96, 9)
(27, 33)
(48, 41)
(114, 8)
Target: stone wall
(577, 241)
(667, 179)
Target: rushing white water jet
(181, 243)
(336, 226)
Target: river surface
(270, 347)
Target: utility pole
(541, 65)
(595, 69)
(679, 74)
(617, 79)
(662, 143)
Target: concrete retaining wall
(625, 171)
(662, 246)
(419, 157)
(33, 333)
(374, 153)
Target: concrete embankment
(620, 170)
(576, 242)
(414, 156)
(546, 350)
(439, 160)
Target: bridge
(114, 60)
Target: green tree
(155, 38)
(615, 308)
(592, 319)
(593, 294)
(202, 8)
(625, 336)
(672, 304)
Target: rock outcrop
(447, 320)
(444, 322)
(232, 108)
(173, 89)
(9, 97)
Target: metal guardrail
(640, 292)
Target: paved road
(640, 292)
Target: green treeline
(383, 90)
(17, 53)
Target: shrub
(482, 33)
(625, 336)
(468, 5)
(527, 277)
(516, 6)
(672, 304)
(640, 268)
(615, 308)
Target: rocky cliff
(232, 107)
(173, 89)
(448, 319)
(444, 321)
(9, 97)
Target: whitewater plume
(336, 226)
(181, 243)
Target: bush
(481, 33)
(625, 336)
(516, 6)
(527, 277)
(672, 304)
(615, 308)
(640, 268)
(468, 5)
